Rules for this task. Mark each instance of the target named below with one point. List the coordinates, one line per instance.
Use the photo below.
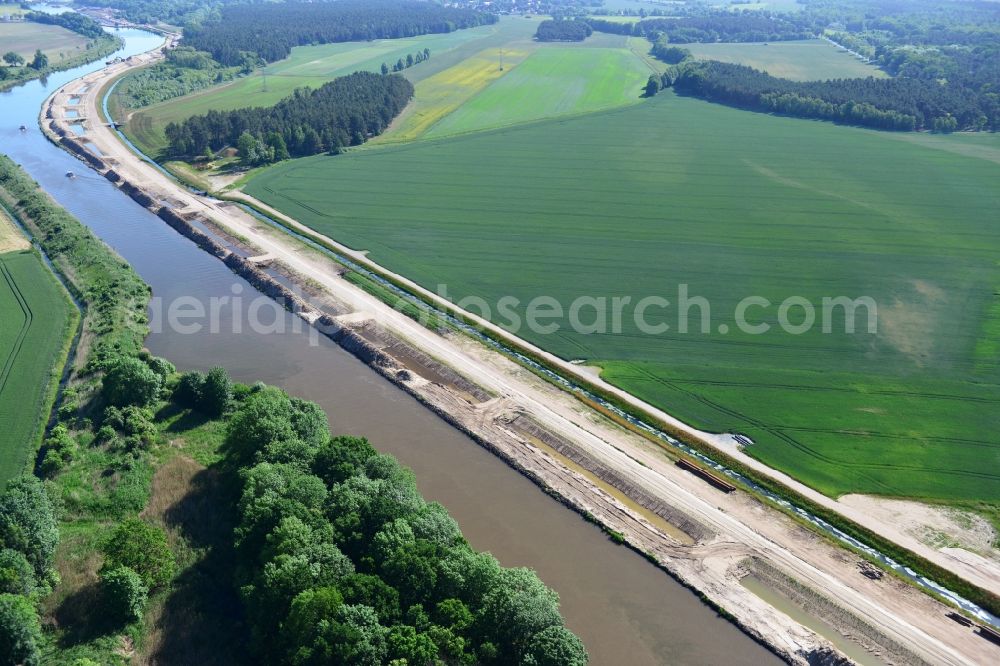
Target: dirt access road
(723, 531)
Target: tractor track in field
(23, 333)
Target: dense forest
(895, 104)
(957, 42)
(272, 30)
(174, 12)
(563, 31)
(343, 112)
(340, 561)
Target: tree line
(116, 323)
(342, 112)
(563, 31)
(38, 62)
(672, 55)
(78, 23)
(272, 30)
(894, 104)
(410, 60)
(173, 12)
(335, 555)
(115, 295)
(29, 535)
(715, 26)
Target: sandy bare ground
(961, 534)
(11, 238)
(735, 526)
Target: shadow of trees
(202, 620)
(78, 615)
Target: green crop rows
(637, 201)
(35, 321)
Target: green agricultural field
(618, 19)
(313, 66)
(437, 96)
(675, 191)
(36, 320)
(648, 5)
(56, 42)
(554, 81)
(984, 145)
(805, 60)
(769, 5)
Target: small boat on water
(70, 174)
(23, 128)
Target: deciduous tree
(20, 631)
(142, 548)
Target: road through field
(740, 526)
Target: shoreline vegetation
(335, 552)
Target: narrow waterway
(625, 610)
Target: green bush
(125, 594)
(135, 425)
(143, 549)
(16, 574)
(60, 448)
(130, 381)
(217, 392)
(189, 390)
(555, 646)
(161, 366)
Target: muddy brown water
(624, 609)
(793, 610)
